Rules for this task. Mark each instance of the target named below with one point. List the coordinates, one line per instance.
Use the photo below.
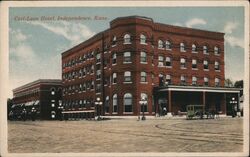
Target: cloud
(177, 24)
(195, 21)
(229, 27)
(234, 42)
(74, 32)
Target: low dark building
(42, 98)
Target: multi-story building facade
(43, 95)
(170, 66)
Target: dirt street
(126, 135)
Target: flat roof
(199, 89)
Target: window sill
(168, 66)
(194, 68)
(205, 53)
(144, 62)
(113, 45)
(194, 52)
(114, 112)
(183, 51)
(114, 83)
(143, 43)
(114, 64)
(217, 70)
(127, 82)
(206, 69)
(127, 112)
(217, 54)
(160, 66)
(97, 93)
(183, 68)
(127, 62)
(127, 43)
(169, 49)
(144, 82)
(160, 48)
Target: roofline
(39, 81)
(133, 16)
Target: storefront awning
(199, 89)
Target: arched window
(127, 39)
(144, 107)
(142, 39)
(205, 64)
(194, 48)
(216, 65)
(182, 47)
(183, 63)
(206, 81)
(194, 64)
(98, 58)
(114, 41)
(216, 50)
(194, 80)
(205, 49)
(127, 101)
(143, 76)
(168, 62)
(168, 45)
(53, 91)
(107, 104)
(114, 78)
(115, 104)
(127, 57)
(217, 82)
(160, 44)
(127, 76)
(114, 58)
(143, 57)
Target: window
(194, 48)
(183, 63)
(217, 82)
(143, 76)
(168, 62)
(168, 45)
(143, 57)
(216, 50)
(216, 65)
(53, 91)
(114, 41)
(84, 87)
(98, 88)
(127, 76)
(92, 69)
(168, 79)
(115, 104)
(114, 78)
(127, 57)
(206, 81)
(80, 87)
(127, 39)
(142, 39)
(127, 101)
(160, 61)
(107, 104)
(92, 85)
(183, 80)
(194, 64)
(52, 103)
(205, 64)
(194, 80)
(114, 58)
(84, 71)
(98, 74)
(161, 79)
(160, 44)
(182, 47)
(98, 58)
(205, 49)
(144, 107)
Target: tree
(238, 84)
(228, 83)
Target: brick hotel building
(170, 66)
(45, 95)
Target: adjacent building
(43, 95)
(170, 66)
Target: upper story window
(160, 61)
(143, 76)
(98, 58)
(217, 82)
(160, 44)
(216, 50)
(53, 91)
(206, 81)
(183, 63)
(194, 80)
(194, 48)
(115, 103)
(183, 80)
(127, 76)
(143, 57)
(127, 101)
(92, 85)
(205, 49)
(168, 62)
(168, 45)
(194, 64)
(127, 57)
(216, 65)
(205, 65)
(127, 39)
(98, 74)
(114, 78)
(168, 79)
(114, 58)
(182, 47)
(142, 39)
(114, 41)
